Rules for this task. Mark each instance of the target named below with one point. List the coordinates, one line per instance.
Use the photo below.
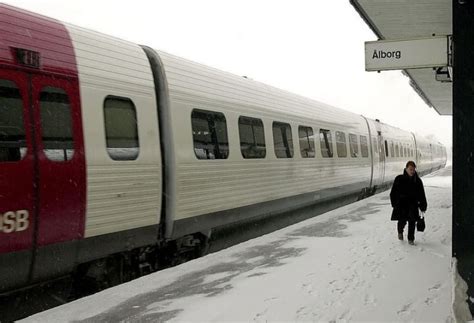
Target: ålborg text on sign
(405, 54)
(382, 54)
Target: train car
(399, 147)
(430, 155)
(252, 147)
(115, 157)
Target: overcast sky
(313, 48)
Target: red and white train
(114, 153)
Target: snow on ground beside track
(346, 264)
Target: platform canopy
(411, 19)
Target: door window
(56, 124)
(12, 130)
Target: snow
(460, 308)
(346, 264)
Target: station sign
(405, 54)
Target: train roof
(191, 81)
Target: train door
(60, 173)
(18, 182)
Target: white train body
(127, 195)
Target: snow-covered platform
(346, 264)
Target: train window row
(398, 150)
(210, 138)
(121, 131)
(56, 125)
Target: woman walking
(407, 196)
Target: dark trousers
(411, 228)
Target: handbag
(420, 224)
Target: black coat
(407, 195)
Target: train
(115, 157)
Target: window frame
(309, 140)
(366, 146)
(50, 146)
(329, 149)
(287, 144)
(253, 123)
(15, 150)
(217, 152)
(352, 152)
(339, 144)
(114, 155)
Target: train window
(341, 144)
(392, 149)
(405, 151)
(209, 135)
(56, 124)
(121, 130)
(325, 140)
(364, 148)
(397, 151)
(353, 145)
(386, 148)
(252, 138)
(282, 140)
(401, 150)
(306, 137)
(12, 130)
